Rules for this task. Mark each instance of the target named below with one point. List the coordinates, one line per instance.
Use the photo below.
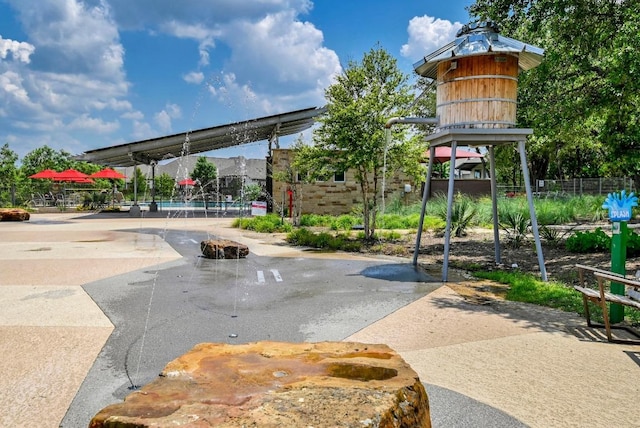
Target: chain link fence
(574, 187)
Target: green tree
(8, 176)
(140, 180)
(583, 101)
(46, 158)
(351, 135)
(206, 173)
(252, 192)
(165, 185)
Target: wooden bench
(602, 295)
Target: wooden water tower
(476, 99)
(477, 77)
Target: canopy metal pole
(532, 211)
(494, 204)
(135, 184)
(447, 232)
(425, 197)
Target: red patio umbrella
(187, 182)
(108, 173)
(82, 180)
(45, 174)
(443, 154)
(72, 175)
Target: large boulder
(14, 214)
(223, 249)
(276, 384)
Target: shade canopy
(45, 174)
(108, 173)
(443, 154)
(204, 140)
(187, 182)
(71, 175)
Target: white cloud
(426, 34)
(85, 122)
(141, 130)
(195, 77)
(112, 104)
(165, 117)
(289, 53)
(69, 74)
(12, 89)
(72, 37)
(70, 71)
(154, 13)
(232, 94)
(133, 115)
(20, 51)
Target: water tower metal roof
(479, 38)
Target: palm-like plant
(463, 212)
(517, 227)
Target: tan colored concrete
(50, 330)
(518, 358)
(42, 369)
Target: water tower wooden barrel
(477, 91)
(477, 77)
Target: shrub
(392, 221)
(390, 235)
(411, 221)
(304, 237)
(315, 220)
(554, 236)
(633, 244)
(344, 222)
(463, 212)
(269, 223)
(517, 227)
(588, 242)
(300, 236)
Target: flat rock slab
(14, 214)
(277, 384)
(223, 249)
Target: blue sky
(84, 74)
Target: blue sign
(620, 205)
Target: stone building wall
(336, 198)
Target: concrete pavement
(503, 363)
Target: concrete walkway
(540, 366)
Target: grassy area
(527, 288)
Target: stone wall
(336, 198)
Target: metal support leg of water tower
(532, 211)
(494, 203)
(425, 197)
(447, 232)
